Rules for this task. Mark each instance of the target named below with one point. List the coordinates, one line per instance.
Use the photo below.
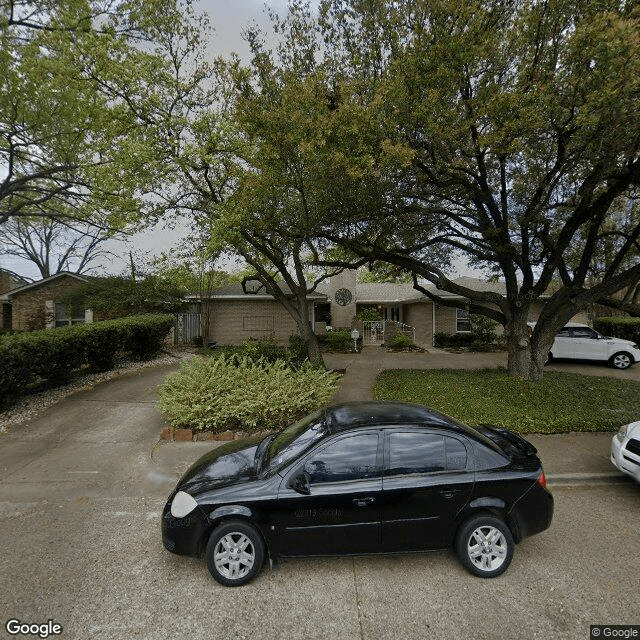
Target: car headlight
(182, 504)
(622, 433)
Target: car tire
(485, 545)
(549, 358)
(235, 553)
(621, 360)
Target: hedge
(620, 327)
(55, 355)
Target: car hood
(622, 341)
(231, 463)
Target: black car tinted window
(350, 458)
(415, 452)
(295, 439)
(456, 454)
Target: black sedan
(365, 477)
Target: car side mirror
(300, 483)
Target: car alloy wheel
(621, 360)
(485, 546)
(235, 553)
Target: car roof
(357, 414)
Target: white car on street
(581, 342)
(625, 450)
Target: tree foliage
(81, 81)
(518, 125)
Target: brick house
(36, 305)
(8, 282)
(236, 315)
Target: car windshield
(295, 439)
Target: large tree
(521, 122)
(79, 78)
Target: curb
(581, 479)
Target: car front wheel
(485, 546)
(235, 553)
(621, 360)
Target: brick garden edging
(187, 435)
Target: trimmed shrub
(266, 348)
(339, 340)
(623, 327)
(55, 355)
(218, 393)
(452, 340)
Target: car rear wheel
(621, 360)
(485, 546)
(549, 358)
(235, 553)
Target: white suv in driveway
(581, 342)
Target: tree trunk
(519, 348)
(529, 350)
(311, 340)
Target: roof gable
(45, 281)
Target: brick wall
(419, 315)
(29, 307)
(6, 281)
(233, 321)
(445, 319)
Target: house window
(463, 323)
(65, 315)
(392, 313)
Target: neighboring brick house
(8, 282)
(37, 305)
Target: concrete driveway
(82, 488)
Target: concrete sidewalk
(568, 458)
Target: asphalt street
(81, 491)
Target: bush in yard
(400, 341)
(144, 335)
(266, 348)
(623, 327)
(218, 393)
(298, 351)
(339, 340)
(55, 355)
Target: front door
(341, 513)
(426, 483)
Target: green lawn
(559, 402)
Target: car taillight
(542, 480)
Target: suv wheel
(621, 360)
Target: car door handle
(448, 493)
(363, 502)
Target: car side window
(415, 452)
(351, 458)
(456, 454)
(584, 333)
